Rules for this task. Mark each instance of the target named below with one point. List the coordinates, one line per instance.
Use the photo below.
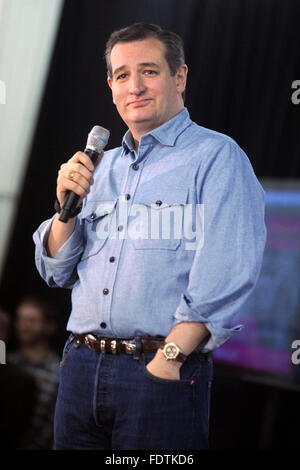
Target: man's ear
(181, 77)
(109, 81)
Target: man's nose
(137, 85)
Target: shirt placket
(114, 248)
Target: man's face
(144, 91)
(30, 325)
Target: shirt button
(112, 259)
(103, 325)
(135, 166)
(120, 228)
(158, 203)
(105, 291)
(127, 196)
(93, 215)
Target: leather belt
(118, 345)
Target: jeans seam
(95, 395)
(208, 403)
(108, 389)
(68, 348)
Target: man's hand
(82, 169)
(162, 368)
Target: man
(135, 290)
(35, 324)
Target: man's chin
(142, 118)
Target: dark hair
(174, 48)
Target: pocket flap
(95, 209)
(158, 199)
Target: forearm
(187, 335)
(59, 234)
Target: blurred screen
(271, 315)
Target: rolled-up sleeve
(59, 271)
(225, 270)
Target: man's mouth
(139, 103)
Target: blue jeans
(110, 401)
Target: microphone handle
(71, 199)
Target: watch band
(75, 212)
(172, 352)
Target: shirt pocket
(97, 217)
(163, 217)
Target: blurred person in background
(16, 408)
(35, 324)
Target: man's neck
(136, 144)
(138, 132)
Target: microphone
(97, 140)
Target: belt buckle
(87, 340)
(130, 348)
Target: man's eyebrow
(142, 64)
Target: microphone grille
(98, 138)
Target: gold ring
(71, 175)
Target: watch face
(171, 351)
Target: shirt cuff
(218, 333)
(70, 249)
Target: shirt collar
(127, 142)
(166, 134)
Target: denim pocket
(187, 371)
(68, 347)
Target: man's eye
(150, 72)
(122, 76)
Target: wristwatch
(172, 352)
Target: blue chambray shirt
(128, 286)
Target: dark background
(243, 56)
